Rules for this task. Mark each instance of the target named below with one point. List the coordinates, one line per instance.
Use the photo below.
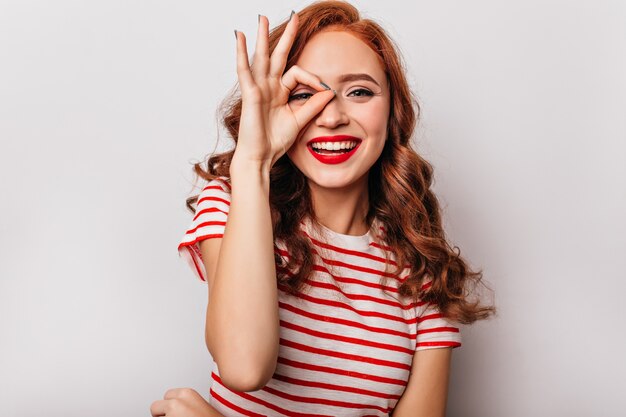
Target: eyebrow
(356, 77)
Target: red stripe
(379, 246)
(357, 267)
(224, 180)
(362, 297)
(345, 322)
(213, 187)
(269, 405)
(193, 255)
(357, 358)
(233, 406)
(429, 317)
(439, 329)
(346, 280)
(221, 180)
(343, 372)
(334, 387)
(332, 403)
(345, 339)
(338, 278)
(444, 344)
(211, 198)
(199, 238)
(375, 272)
(351, 308)
(209, 210)
(348, 251)
(205, 224)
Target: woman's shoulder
(219, 183)
(215, 193)
(217, 187)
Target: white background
(105, 105)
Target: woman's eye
(361, 92)
(300, 96)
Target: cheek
(373, 117)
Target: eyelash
(367, 92)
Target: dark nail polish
(235, 33)
(325, 86)
(259, 18)
(292, 13)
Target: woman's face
(360, 110)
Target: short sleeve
(434, 330)
(208, 222)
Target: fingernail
(259, 18)
(325, 86)
(235, 33)
(292, 13)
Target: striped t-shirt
(347, 343)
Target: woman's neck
(342, 210)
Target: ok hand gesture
(268, 125)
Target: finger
(172, 393)
(279, 56)
(159, 408)
(296, 75)
(243, 66)
(260, 59)
(313, 106)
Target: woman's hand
(183, 402)
(268, 126)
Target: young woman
(332, 288)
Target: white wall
(103, 105)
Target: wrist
(242, 162)
(250, 171)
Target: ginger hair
(399, 184)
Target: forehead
(330, 54)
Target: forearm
(242, 315)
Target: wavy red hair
(400, 194)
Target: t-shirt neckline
(349, 241)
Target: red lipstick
(334, 158)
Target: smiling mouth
(331, 148)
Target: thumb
(313, 106)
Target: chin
(340, 179)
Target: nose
(332, 115)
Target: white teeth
(334, 146)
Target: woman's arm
(242, 313)
(242, 324)
(427, 390)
